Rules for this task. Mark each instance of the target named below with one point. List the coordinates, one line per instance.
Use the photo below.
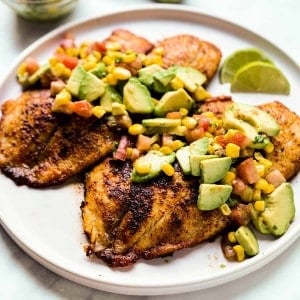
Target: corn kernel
(225, 209)
(189, 122)
(267, 163)
(240, 252)
(259, 205)
(208, 134)
(58, 69)
(228, 178)
(166, 150)
(60, 50)
(98, 111)
(231, 237)
(53, 61)
(129, 58)
(269, 148)
(121, 73)
(261, 170)
(261, 184)
(111, 79)
(72, 51)
(158, 50)
(175, 145)
(232, 150)
(89, 65)
(22, 69)
(168, 169)
(63, 95)
(247, 194)
(108, 60)
(155, 146)
(268, 189)
(129, 151)
(176, 83)
(136, 129)
(257, 195)
(142, 167)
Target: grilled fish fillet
(39, 148)
(126, 221)
(188, 50)
(286, 156)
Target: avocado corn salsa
(163, 126)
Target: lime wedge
(260, 77)
(237, 60)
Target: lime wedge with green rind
(237, 60)
(260, 77)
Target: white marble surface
(21, 277)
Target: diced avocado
(156, 160)
(190, 77)
(173, 101)
(258, 223)
(137, 97)
(195, 161)
(259, 119)
(200, 146)
(212, 196)
(247, 239)
(161, 122)
(231, 120)
(164, 76)
(110, 96)
(118, 109)
(280, 209)
(183, 157)
(85, 85)
(145, 75)
(99, 70)
(214, 169)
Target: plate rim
(133, 289)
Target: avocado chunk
(110, 96)
(183, 158)
(137, 97)
(280, 209)
(146, 74)
(212, 196)
(247, 239)
(257, 221)
(99, 70)
(232, 119)
(156, 160)
(173, 101)
(190, 77)
(161, 122)
(259, 119)
(195, 161)
(85, 85)
(214, 169)
(164, 76)
(200, 146)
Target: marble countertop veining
(23, 278)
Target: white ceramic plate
(46, 223)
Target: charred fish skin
(153, 219)
(40, 148)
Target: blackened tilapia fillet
(40, 148)
(125, 221)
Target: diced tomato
(240, 139)
(31, 65)
(221, 140)
(167, 140)
(247, 171)
(238, 186)
(194, 134)
(275, 177)
(69, 61)
(203, 121)
(82, 108)
(99, 46)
